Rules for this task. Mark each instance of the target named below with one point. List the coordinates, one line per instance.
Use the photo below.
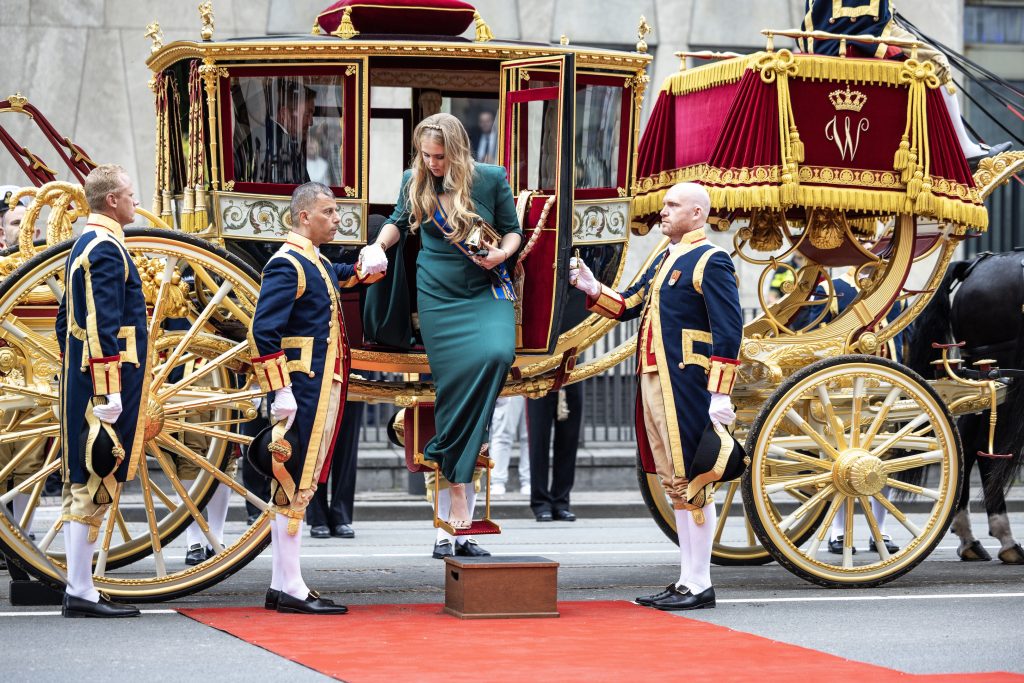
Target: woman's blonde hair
(447, 131)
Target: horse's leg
(1010, 551)
(970, 549)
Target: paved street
(945, 616)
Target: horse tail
(1009, 436)
(933, 324)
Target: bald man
(690, 332)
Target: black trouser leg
(540, 413)
(567, 442)
(251, 479)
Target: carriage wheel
(200, 393)
(854, 429)
(728, 550)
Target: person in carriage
(877, 18)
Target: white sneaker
(525, 490)
(498, 489)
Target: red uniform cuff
(271, 371)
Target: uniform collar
(107, 224)
(686, 241)
(302, 244)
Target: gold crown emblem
(847, 100)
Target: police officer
(690, 332)
(301, 356)
(101, 329)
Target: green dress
(469, 334)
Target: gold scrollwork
(206, 15)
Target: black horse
(987, 314)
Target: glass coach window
(598, 132)
(288, 129)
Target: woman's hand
(495, 256)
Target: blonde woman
(464, 296)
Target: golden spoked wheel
(856, 430)
(201, 301)
(729, 549)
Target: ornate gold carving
(229, 186)
(994, 172)
(211, 74)
(826, 228)
(206, 15)
(67, 204)
(176, 304)
(766, 229)
(17, 101)
(154, 33)
(563, 40)
(350, 191)
(154, 419)
(868, 343)
(641, 32)
(436, 79)
(847, 100)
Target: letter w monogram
(846, 140)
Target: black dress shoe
(889, 545)
(270, 602)
(564, 516)
(683, 601)
(648, 600)
(313, 604)
(77, 608)
(319, 531)
(343, 531)
(443, 549)
(835, 546)
(470, 549)
(197, 554)
(544, 516)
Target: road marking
(56, 613)
(856, 598)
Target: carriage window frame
(352, 75)
(583, 80)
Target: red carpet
(591, 641)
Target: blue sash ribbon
(501, 285)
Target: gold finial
(346, 29)
(564, 40)
(642, 30)
(17, 100)
(483, 31)
(206, 14)
(154, 33)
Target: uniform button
(682, 366)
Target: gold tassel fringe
(710, 75)
(483, 31)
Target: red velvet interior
(540, 279)
(419, 429)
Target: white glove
(582, 279)
(283, 407)
(720, 410)
(111, 411)
(372, 259)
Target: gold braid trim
(709, 75)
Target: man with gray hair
(690, 332)
(300, 355)
(101, 330)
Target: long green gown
(469, 334)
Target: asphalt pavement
(944, 616)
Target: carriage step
(478, 527)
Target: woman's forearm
(388, 236)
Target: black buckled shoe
(470, 549)
(975, 552)
(319, 531)
(77, 608)
(684, 601)
(313, 604)
(270, 602)
(564, 516)
(343, 531)
(835, 546)
(443, 549)
(648, 600)
(197, 554)
(890, 547)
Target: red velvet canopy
(412, 17)
(796, 132)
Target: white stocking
(275, 554)
(470, 504)
(444, 510)
(702, 538)
(287, 549)
(683, 531)
(838, 523)
(193, 534)
(970, 148)
(217, 512)
(880, 511)
(19, 504)
(79, 556)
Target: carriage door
(536, 149)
